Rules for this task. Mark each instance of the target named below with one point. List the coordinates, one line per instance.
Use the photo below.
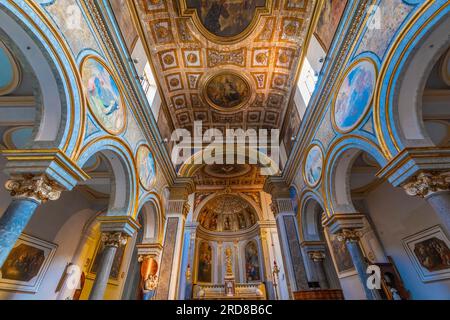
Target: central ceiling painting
(228, 63)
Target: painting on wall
(429, 251)
(292, 129)
(204, 273)
(294, 198)
(103, 95)
(116, 266)
(26, 264)
(355, 95)
(125, 22)
(341, 257)
(227, 91)
(10, 76)
(225, 18)
(329, 21)
(146, 167)
(252, 262)
(313, 166)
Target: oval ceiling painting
(103, 95)
(227, 91)
(146, 167)
(313, 166)
(355, 95)
(226, 19)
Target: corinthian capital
(39, 188)
(316, 256)
(351, 235)
(427, 183)
(114, 239)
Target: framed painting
(341, 256)
(328, 23)
(26, 264)
(429, 251)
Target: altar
(244, 291)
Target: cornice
(319, 102)
(97, 11)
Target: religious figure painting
(26, 264)
(252, 262)
(103, 95)
(342, 257)
(227, 91)
(313, 166)
(146, 166)
(429, 251)
(355, 95)
(204, 273)
(226, 18)
(328, 23)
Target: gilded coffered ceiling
(228, 63)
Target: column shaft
(440, 201)
(321, 274)
(13, 222)
(102, 277)
(361, 267)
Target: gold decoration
(349, 235)
(427, 183)
(39, 188)
(114, 239)
(229, 261)
(316, 256)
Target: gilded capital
(39, 188)
(427, 183)
(349, 235)
(114, 239)
(316, 256)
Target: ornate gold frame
(147, 188)
(338, 88)
(304, 165)
(206, 81)
(118, 84)
(259, 12)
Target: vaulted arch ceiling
(228, 63)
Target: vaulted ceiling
(228, 63)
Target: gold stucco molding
(427, 183)
(39, 188)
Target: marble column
(434, 187)
(352, 238)
(111, 242)
(318, 257)
(169, 283)
(28, 193)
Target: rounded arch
(398, 106)
(211, 197)
(311, 211)
(152, 213)
(60, 104)
(124, 192)
(338, 163)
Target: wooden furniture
(319, 295)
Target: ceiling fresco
(228, 63)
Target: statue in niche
(252, 218)
(227, 224)
(241, 218)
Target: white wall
(397, 216)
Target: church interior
(351, 202)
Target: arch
(246, 198)
(398, 105)
(124, 193)
(60, 104)
(338, 163)
(311, 210)
(152, 214)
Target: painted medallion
(103, 96)
(227, 91)
(355, 95)
(313, 166)
(146, 167)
